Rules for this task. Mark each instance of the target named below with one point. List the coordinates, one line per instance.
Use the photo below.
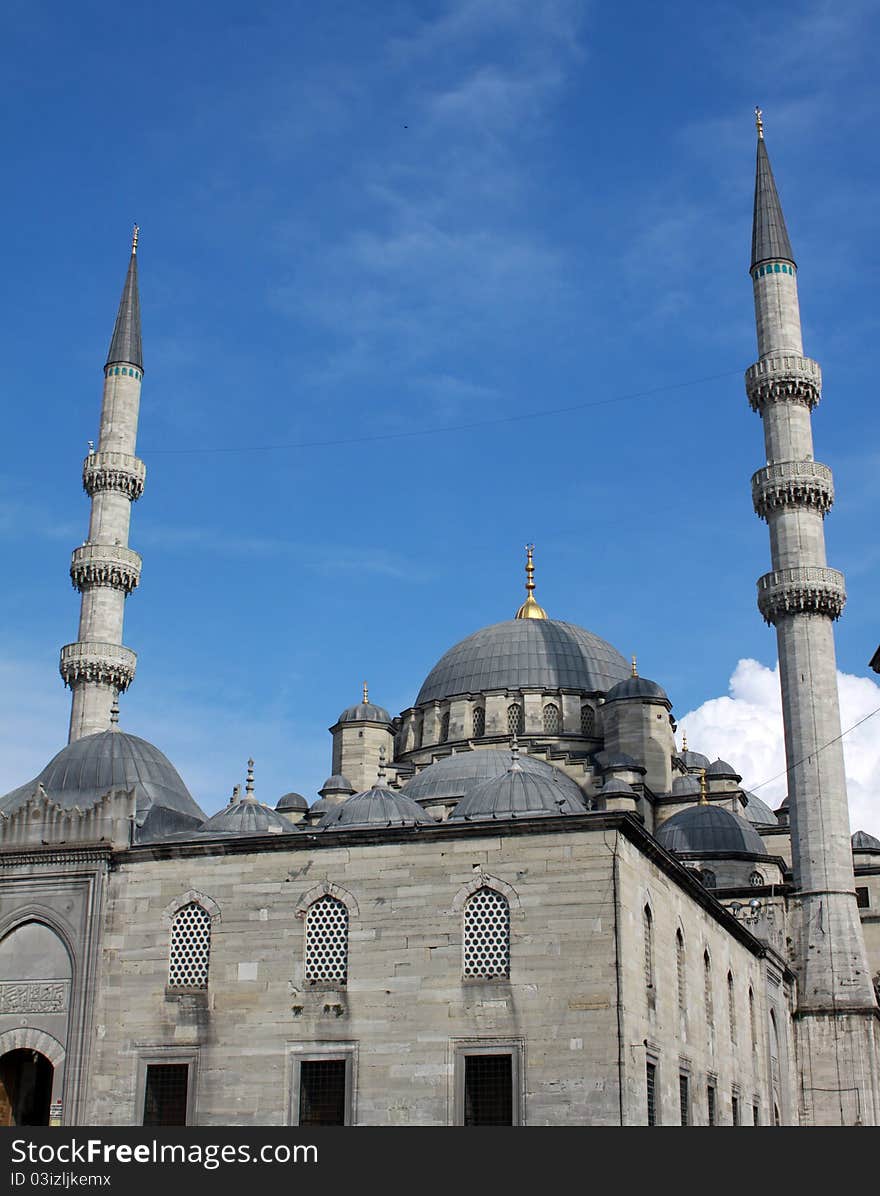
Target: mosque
(520, 901)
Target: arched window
(588, 721)
(327, 941)
(648, 930)
(755, 879)
(551, 719)
(731, 1006)
(707, 990)
(680, 972)
(190, 951)
(754, 1036)
(514, 719)
(707, 876)
(418, 734)
(774, 1044)
(486, 936)
(444, 727)
(479, 725)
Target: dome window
(486, 936)
(444, 727)
(588, 721)
(190, 947)
(514, 719)
(551, 719)
(648, 926)
(731, 1007)
(756, 879)
(326, 941)
(479, 722)
(709, 879)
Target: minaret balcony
(114, 471)
(105, 565)
(811, 590)
(784, 377)
(792, 484)
(105, 664)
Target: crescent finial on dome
(530, 608)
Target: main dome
(525, 654)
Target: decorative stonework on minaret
(801, 597)
(104, 569)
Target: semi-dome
(518, 793)
(456, 775)
(291, 801)
(862, 841)
(709, 830)
(375, 807)
(637, 687)
(720, 768)
(91, 767)
(246, 816)
(525, 653)
(758, 812)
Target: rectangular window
(684, 1098)
(734, 1108)
(488, 1083)
(862, 899)
(165, 1094)
(756, 1115)
(710, 1108)
(322, 1091)
(651, 1085)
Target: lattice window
(684, 1098)
(756, 879)
(731, 1006)
(487, 934)
(514, 719)
(752, 1030)
(648, 925)
(479, 724)
(680, 972)
(165, 1094)
(327, 941)
(707, 876)
(444, 727)
(651, 1091)
(551, 719)
(190, 947)
(418, 734)
(588, 721)
(710, 1103)
(707, 989)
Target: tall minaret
(105, 570)
(802, 597)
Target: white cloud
(746, 730)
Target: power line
(836, 738)
(481, 423)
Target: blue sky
(406, 236)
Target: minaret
(105, 570)
(801, 597)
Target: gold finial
(530, 609)
(759, 123)
(134, 240)
(635, 667)
(366, 695)
(704, 796)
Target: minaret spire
(801, 597)
(105, 570)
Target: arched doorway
(25, 1087)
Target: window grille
(190, 950)
(322, 1092)
(651, 1086)
(680, 972)
(418, 734)
(710, 1102)
(707, 989)
(588, 721)
(684, 1099)
(862, 898)
(444, 727)
(551, 719)
(756, 879)
(487, 935)
(479, 728)
(707, 876)
(327, 941)
(648, 927)
(514, 720)
(731, 1006)
(165, 1094)
(752, 1032)
(488, 1089)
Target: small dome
(246, 817)
(757, 812)
(376, 807)
(291, 801)
(637, 687)
(365, 712)
(618, 762)
(91, 767)
(708, 830)
(720, 768)
(686, 786)
(617, 788)
(518, 793)
(336, 784)
(456, 775)
(862, 841)
(693, 761)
